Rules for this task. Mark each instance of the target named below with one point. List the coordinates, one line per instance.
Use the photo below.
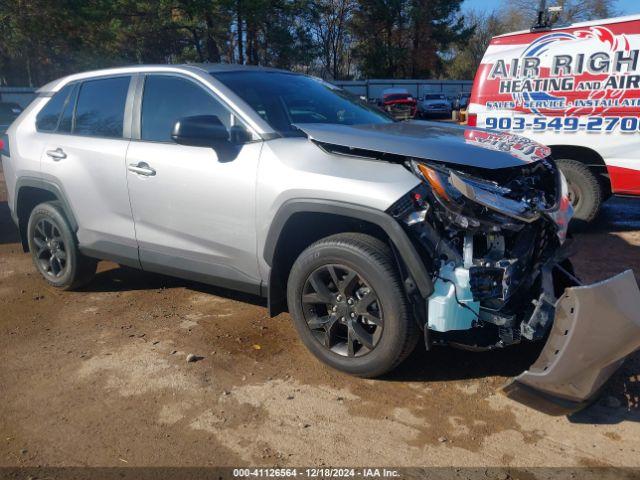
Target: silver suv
(371, 233)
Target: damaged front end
(490, 220)
(496, 244)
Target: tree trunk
(29, 71)
(240, 33)
(252, 57)
(213, 52)
(196, 42)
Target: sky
(626, 7)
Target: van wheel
(585, 190)
(54, 249)
(348, 306)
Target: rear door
(194, 212)
(84, 154)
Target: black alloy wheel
(51, 255)
(54, 248)
(348, 304)
(342, 311)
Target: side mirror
(200, 131)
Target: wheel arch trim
(50, 187)
(406, 250)
(578, 153)
(589, 157)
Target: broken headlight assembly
(486, 235)
(472, 202)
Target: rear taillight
(4, 144)
(472, 119)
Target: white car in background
(434, 104)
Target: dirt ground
(99, 378)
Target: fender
(49, 186)
(408, 253)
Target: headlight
(440, 184)
(454, 190)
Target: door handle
(57, 154)
(141, 168)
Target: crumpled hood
(435, 141)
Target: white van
(576, 89)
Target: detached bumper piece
(595, 328)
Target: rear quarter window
(47, 119)
(66, 120)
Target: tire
(54, 249)
(585, 190)
(367, 338)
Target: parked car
(574, 88)
(371, 233)
(9, 111)
(400, 104)
(461, 101)
(434, 104)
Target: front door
(194, 212)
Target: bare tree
(520, 14)
(329, 22)
(466, 57)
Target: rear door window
(100, 107)
(47, 119)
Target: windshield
(434, 97)
(284, 99)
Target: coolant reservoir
(445, 313)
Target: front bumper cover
(595, 328)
